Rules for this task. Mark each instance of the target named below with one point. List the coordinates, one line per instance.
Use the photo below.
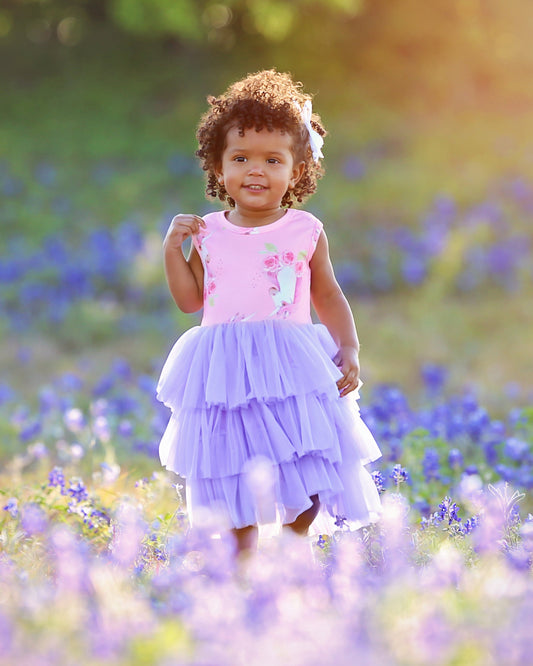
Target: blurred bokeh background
(427, 195)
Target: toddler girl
(258, 386)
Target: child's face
(258, 168)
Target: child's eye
(239, 158)
(273, 160)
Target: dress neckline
(255, 230)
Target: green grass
(129, 105)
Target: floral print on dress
(209, 280)
(284, 270)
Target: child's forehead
(236, 136)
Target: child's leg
(246, 538)
(304, 520)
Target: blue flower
(434, 377)
(340, 521)
(399, 474)
(12, 507)
(77, 490)
(455, 458)
(449, 510)
(431, 464)
(516, 449)
(323, 541)
(56, 478)
(379, 480)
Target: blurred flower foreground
(99, 566)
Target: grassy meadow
(426, 199)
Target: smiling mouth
(255, 188)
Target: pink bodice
(257, 273)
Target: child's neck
(247, 218)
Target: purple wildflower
(322, 541)
(379, 480)
(448, 510)
(399, 474)
(12, 507)
(77, 490)
(56, 478)
(340, 521)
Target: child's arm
(185, 277)
(334, 312)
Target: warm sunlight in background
(427, 200)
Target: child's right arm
(185, 277)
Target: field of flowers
(98, 564)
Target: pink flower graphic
(299, 267)
(272, 264)
(211, 287)
(287, 258)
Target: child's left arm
(335, 313)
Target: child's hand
(347, 360)
(181, 227)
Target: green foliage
(178, 17)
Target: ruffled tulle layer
(265, 391)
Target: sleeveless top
(257, 273)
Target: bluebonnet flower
(399, 474)
(122, 368)
(56, 478)
(470, 524)
(125, 428)
(455, 458)
(516, 449)
(77, 490)
(340, 521)
(431, 464)
(323, 541)
(6, 393)
(434, 377)
(12, 507)
(379, 480)
(30, 431)
(414, 268)
(448, 510)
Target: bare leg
(304, 520)
(246, 538)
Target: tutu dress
(256, 382)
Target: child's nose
(256, 168)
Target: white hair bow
(315, 140)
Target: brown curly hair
(267, 99)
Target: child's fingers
(348, 382)
(183, 226)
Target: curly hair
(267, 99)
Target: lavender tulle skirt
(257, 426)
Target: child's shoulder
(307, 219)
(213, 217)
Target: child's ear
(297, 173)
